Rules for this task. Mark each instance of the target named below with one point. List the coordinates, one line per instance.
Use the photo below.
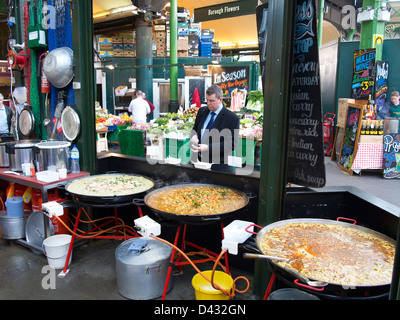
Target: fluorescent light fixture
(101, 14)
(123, 9)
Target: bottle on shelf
(381, 125)
(75, 159)
(372, 128)
(363, 126)
(368, 128)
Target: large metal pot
(392, 125)
(20, 152)
(193, 219)
(57, 67)
(290, 276)
(52, 155)
(4, 161)
(141, 274)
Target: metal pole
(320, 21)
(173, 56)
(144, 55)
(82, 29)
(276, 113)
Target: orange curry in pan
(197, 200)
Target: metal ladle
(311, 283)
(262, 256)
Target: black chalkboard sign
(363, 73)
(350, 137)
(305, 138)
(381, 82)
(391, 155)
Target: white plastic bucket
(56, 250)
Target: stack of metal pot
(46, 155)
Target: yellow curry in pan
(195, 199)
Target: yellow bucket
(204, 290)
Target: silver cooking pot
(20, 152)
(141, 274)
(57, 67)
(52, 155)
(4, 161)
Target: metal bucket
(391, 125)
(141, 275)
(12, 228)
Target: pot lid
(70, 123)
(58, 67)
(34, 228)
(153, 251)
(26, 122)
(53, 144)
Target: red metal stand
(84, 235)
(269, 288)
(184, 245)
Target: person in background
(390, 108)
(215, 132)
(6, 114)
(139, 108)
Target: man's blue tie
(210, 123)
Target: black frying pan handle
(217, 218)
(138, 202)
(251, 195)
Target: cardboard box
(183, 53)
(118, 53)
(160, 34)
(105, 41)
(129, 53)
(106, 54)
(128, 46)
(116, 40)
(106, 47)
(183, 44)
(371, 138)
(118, 46)
(342, 109)
(159, 27)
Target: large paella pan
(111, 188)
(195, 202)
(327, 251)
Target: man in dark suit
(215, 132)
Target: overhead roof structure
(231, 33)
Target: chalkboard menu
(305, 138)
(363, 73)
(381, 82)
(351, 133)
(391, 155)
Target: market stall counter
(44, 187)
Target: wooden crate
(191, 71)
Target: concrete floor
(92, 273)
